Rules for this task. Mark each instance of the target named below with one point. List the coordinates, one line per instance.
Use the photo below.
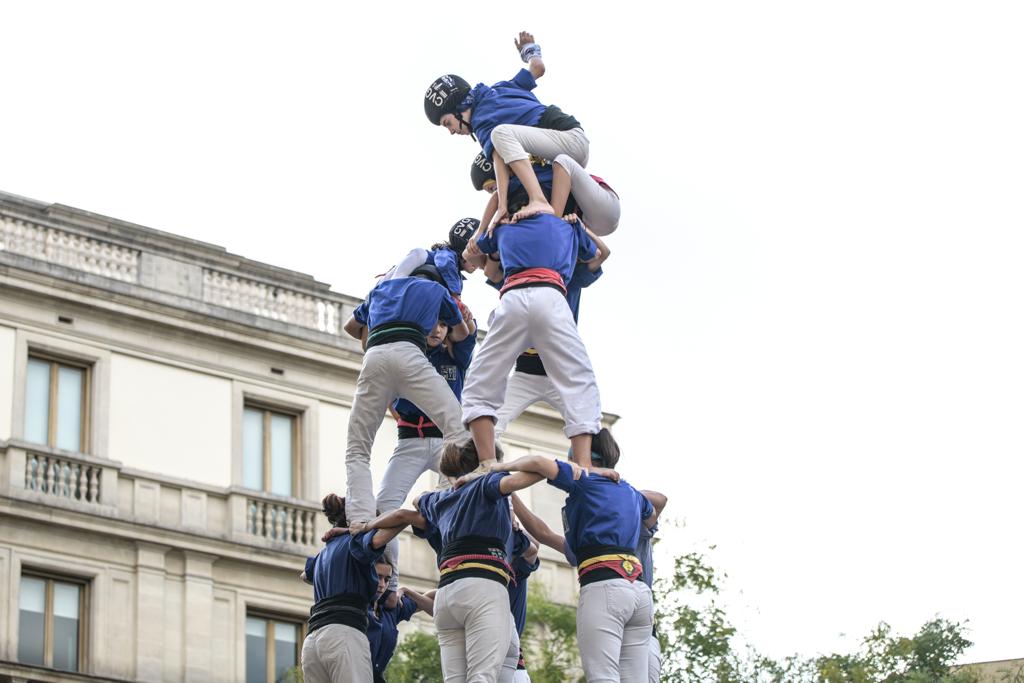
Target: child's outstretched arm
(603, 252)
(529, 51)
(536, 527)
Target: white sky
(811, 320)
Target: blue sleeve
(646, 509)
(488, 244)
(525, 80)
(447, 263)
(406, 608)
(587, 248)
(449, 313)
(564, 479)
(523, 568)
(582, 277)
(310, 565)
(520, 543)
(361, 313)
(463, 351)
(362, 548)
(426, 508)
(492, 485)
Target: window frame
(271, 618)
(83, 607)
(56, 361)
(270, 409)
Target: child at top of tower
(510, 124)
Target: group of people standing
(539, 243)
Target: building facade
(170, 417)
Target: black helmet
(443, 96)
(458, 236)
(481, 171)
(428, 271)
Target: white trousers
(654, 661)
(410, 459)
(390, 371)
(523, 391)
(522, 676)
(613, 629)
(537, 316)
(508, 667)
(600, 206)
(336, 654)
(514, 143)
(474, 628)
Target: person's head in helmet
(481, 173)
(442, 104)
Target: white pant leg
(508, 667)
(472, 621)
(515, 143)
(554, 335)
(336, 654)
(521, 393)
(634, 658)
(410, 459)
(654, 660)
(601, 208)
(522, 676)
(424, 386)
(375, 389)
(487, 376)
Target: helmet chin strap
(463, 123)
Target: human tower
(539, 243)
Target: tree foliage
(549, 639)
(417, 659)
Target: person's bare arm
(603, 252)
(518, 481)
(399, 518)
(533, 464)
(658, 502)
(489, 210)
(530, 555)
(354, 328)
(423, 603)
(537, 527)
(494, 271)
(534, 60)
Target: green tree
(549, 639)
(417, 659)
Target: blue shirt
(447, 263)
(451, 366)
(581, 278)
(522, 569)
(541, 241)
(600, 511)
(409, 300)
(382, 631)
(477, 509)
(545, 176)
(644, 553)
(345, 565)
(504, 102)
(431, 535)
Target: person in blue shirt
(569, 188)
(384, 616)
(345, 580)
(395, 319)
(603, 516)
(419, 444)
(510, 124)
(446, 257)
(471, 608)
(526, 560)
(538, 256)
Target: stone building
(170, 416)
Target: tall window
(55, 403)
(50, 630)
(272, 649)
(270, 451)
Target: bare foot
(532, 209)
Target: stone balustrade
(69, 249)
(103, 487)
(271, 301)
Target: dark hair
(603, 445)
(440, 245)
(385, 559)
(334, 508)
(461, 458)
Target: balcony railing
(103, 487)
(69, 249)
